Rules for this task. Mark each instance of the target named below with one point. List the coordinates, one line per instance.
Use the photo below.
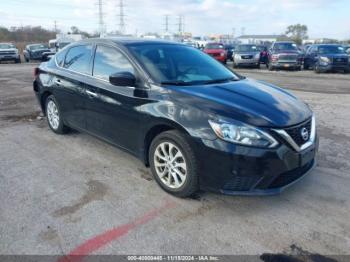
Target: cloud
(201, 16)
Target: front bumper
(332, 67)
(247, 62)
(9, 57)
(239, 170)
(286, 64)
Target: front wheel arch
(155, 131)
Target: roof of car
(127, 40)
(326, 44)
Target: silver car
(246, 55)
(9, 52)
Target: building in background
(260, 39)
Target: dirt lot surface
(68, 194)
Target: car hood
(247, 53)
(41, 50)
(211, 51)
(8, 49)
(334, 55)
(286, 52)
(252, 102)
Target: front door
(113, 111)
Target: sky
(324, 18)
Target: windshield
(6, 46)
(214, 46)
(180, 64)
(285, 46)
(37, 47)
(63, 44)
(331, 49)
(246, 48)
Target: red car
(216, 50)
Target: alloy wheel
(53, 115)
(170, 165)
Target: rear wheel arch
(43, 98)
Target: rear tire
(173, 164)
(54, 116)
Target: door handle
(91, 94)
(58, 82)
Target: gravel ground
(57, 192)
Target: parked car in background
(230, 49)
(264, 54)
(197, 124)
(216, 50)
(284, 55)
(9, 52)
(193, 44)
(35, 52)
(326, 57)
(246, 55)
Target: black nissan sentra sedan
(197, 124)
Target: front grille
(7, 52)
(247, 57)
(290, 176)
(241, 183)
(340, 61)
(215, 54)
(288, 57)
(295, 132)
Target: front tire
(173, 164)
(271, 67)
(54, 117)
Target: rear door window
(78, 59)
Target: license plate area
(306, 156)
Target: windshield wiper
(223, 80)
(176, 83)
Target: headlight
(243, 134)
(257, 56)
(222, 53)
(324, 59)
(275, 57)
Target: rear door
(70, 84)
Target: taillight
(35, 72)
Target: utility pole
(55, 26)
(121, 15)
(166, 23)
(100, 17)
(243, 31)
(180, 25)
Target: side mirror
(122, 79)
